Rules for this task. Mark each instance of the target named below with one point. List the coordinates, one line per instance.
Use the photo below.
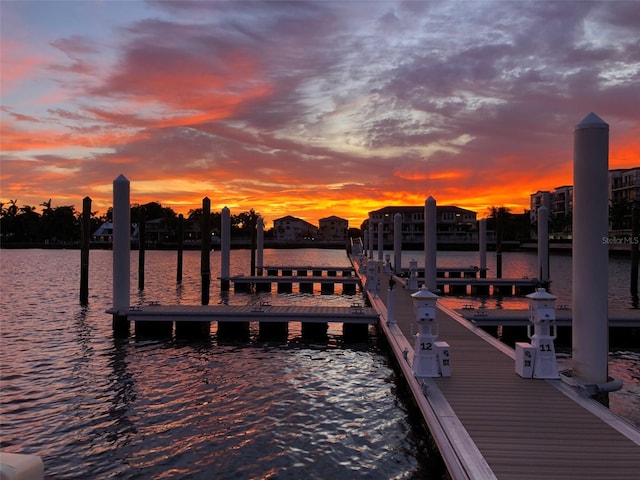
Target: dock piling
(141, 246)
(85, 225)
(430, 243)
(121, 253)
(543, 245)
(180, 235)
(225, 249)
(205, 252)
(391, 306)
(635, 240)
(483, 247)
(397, 243)
(260, 251)
(370, 238)
(590, 336)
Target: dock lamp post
(538, 359)
(431, 358)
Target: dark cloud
(346, 99)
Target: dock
(520, 317)
(305, 277)
(488, 422)
(357, 313)
(242, 283)
(487, 286)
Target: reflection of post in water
(123, 391)
(635, 239)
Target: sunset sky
(310, 109)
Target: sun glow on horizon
(329, 108)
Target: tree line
(61, 225)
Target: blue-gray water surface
(95, 406)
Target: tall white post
(370, 238)
(365, 246)
(397, 243)
(412, 284)
(391, 306)
(260, 246)
(225, 248)
(590, 332)
(372, 277)
(543, 244)
(121, 244)
(430, 243)
(380, 240)
(483, 246)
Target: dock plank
(523, 428)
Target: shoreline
(525, 246)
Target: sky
(310, 109)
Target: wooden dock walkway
(251, 313)
(488, 422)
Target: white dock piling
(430, 243)
(121, 244)
(543, 244)
(225, 248)
(397, 243)
(391, 306)
(590, 332)
(370, 238)
(365, 246)
(380, 240)
(483, 246)
(412, 284)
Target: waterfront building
(333, 228)
(624, 190)
(455, 225)
(293, 229)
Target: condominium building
(624, 190)
(333, 228)
(293, 229)
(454, 224)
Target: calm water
(97, 407)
